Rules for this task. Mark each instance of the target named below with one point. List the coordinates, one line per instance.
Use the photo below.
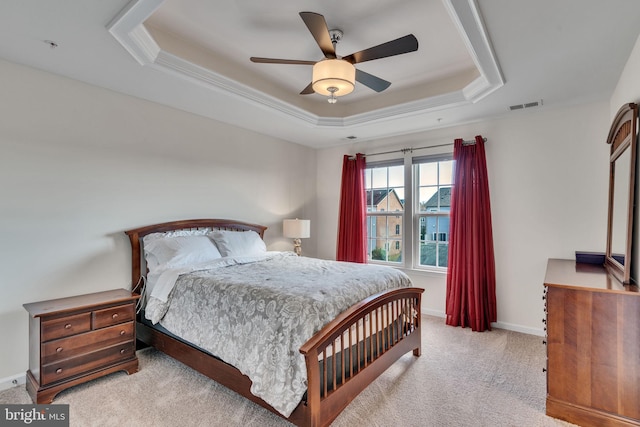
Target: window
(385, 189)
(421, 202)
(433, 180)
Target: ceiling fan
(334, 76)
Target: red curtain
(471, 277)
(352, 222)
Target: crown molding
(127, 27)
(467, 18)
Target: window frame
(410, 238)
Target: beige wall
(80, 164)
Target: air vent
(527, 105)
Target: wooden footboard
(355, 348)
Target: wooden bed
(331, 386)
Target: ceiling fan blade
(308, 90)
(319, 30)
(371, 81)
(281, 61)
(405, 44)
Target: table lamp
(297, 229)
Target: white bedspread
(256, 313)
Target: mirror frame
(622, 137)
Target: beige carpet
(463, 378)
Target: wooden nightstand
(76, 339)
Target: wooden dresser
(76, 339)
(593, 346)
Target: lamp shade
(296, 228)
(333, 73)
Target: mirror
(622, 161)
(620, 205)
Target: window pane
(427, 201)
(446, 172)
(428, 254)
(428, 173)
(385, 244)
(367, 178)
(379, 178)
(396, 176)
(443, 254)
(434, 241)
(400, 193)
(394, 202)
(371, 233)
(434, 199)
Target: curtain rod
(410, 150)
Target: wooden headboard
(137, 251)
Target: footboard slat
(352, 350)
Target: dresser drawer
(76, 339)
(85, 363)
(66, 326)
(113, 316)
(76, 345)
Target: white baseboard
(499, 325)
(519, 328)
(433, 313)
(13, 381)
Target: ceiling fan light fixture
(333, 77)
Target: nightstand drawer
(85, 363)
(76, 345)
(65, 326)
(113, 316)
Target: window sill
(424, 273)
(414, 271)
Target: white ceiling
(475, 58)
(230, 34)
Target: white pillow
(180, 251)
(152, 262)
(238, 243)
(176, 233)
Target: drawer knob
(122, 332)
(58, 350)
(59, 371)
(114, 316)
(67, 326)
(122, 351)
